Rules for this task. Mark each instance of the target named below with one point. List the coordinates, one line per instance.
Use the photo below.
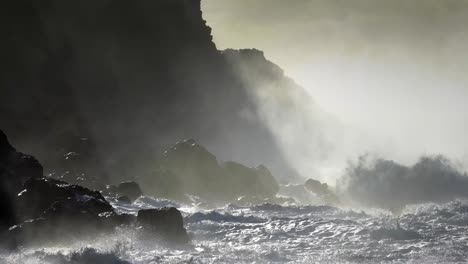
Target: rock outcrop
(37, 209)
(129, 76)
(189, 168)
(322, 191)
(164, 224)
(75, 159)
(124, 191)
(51, 210)
(130, 189)
(15, 169)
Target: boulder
(124, 199)
(130, 189)
(166, 223)
(323, 191)
(42, 195)
(197, 169)
(50, 210)
(188, 168)
(244, 181)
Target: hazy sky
(397, 70)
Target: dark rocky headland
(98, 92)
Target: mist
(380, 183)
(391, 73)
(233, 131)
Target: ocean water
(279, 234)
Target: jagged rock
(87, 74)
(242, 180)
(165, 223)
(317, 187)
(129, 189)
(299, 193)
(52, 210)
(5, 147)
(15, 169)
(323, 191)
(40, 195)
(124, 199)
(187, 167)
(75, 160)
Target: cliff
(129, 75)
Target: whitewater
(277, 234)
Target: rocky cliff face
(129, 75)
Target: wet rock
(40, 195)
(165, 223)
(51, 210)
(15, 169)
(242, 181)
(317, 187)
(187, 167)
(75, 159)
(129, 189)
(124, 199)
(323, 191)
(91, 255)
(299, 193)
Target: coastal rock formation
(37, 209)
(188, 168)
(15, 169)
(166, 224)
(127, 76)
(322, 191)
(130, 189)
(75, 159)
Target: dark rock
(323, 191)
(73, 68)
(124, 199)
(244, 181)
(110, 190)
(317, 187)
(165, 223)
(42, 196)
(75, 159)
(15, 169)
(53, 210)
(130, 189)
(188, 167)
(92, 256)
(5, 147)
(299, 193)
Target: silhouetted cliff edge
(122, 78)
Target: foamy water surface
(277, 234)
